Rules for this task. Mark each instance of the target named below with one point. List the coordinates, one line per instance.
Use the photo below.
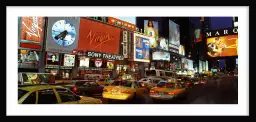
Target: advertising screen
(98, 37)
(123, 22)
(151, 29)
(222, 46)
(174, 35)
(36, 78)
(190, 64)
(83, 61)
(31, 32)
(28, 59)
(52, 58)
(163, 44)
(161, 56)
(98, 63)
(141, 48)
(206, 66)
(110, 65)
(198, 35)
(203, 66)
(129, 19)
(69, 60)
(236, 62)
(184, 63)
(200, 66)
(182, 50)
(62, 34)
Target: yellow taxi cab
(51, 94)
(124, 90)
(167, 90)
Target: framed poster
(52, 58)
(83, 61)
(69, 60)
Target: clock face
(63, 33)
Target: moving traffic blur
(220, 89)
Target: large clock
(63, 33)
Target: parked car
(51, 94)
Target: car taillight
(75, 89)
(170, 93)
(126, 91)
(152, 91)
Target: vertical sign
(31, 32)
(125, 46)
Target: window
(156, 80)
(149, 80)
(144, 79)
(161, 73)
(47, 96)
(21, 93)
(137, 85)
(122, 83)
(66, 95)
(151, 73)
(168, 85)
(168, 74)
(31, 99)
(92, 83)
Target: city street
(222, 90)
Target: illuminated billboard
(174, 35)
(222, 46)
(165, 56)
(151, 29)
(31, 32)
(182, 50)
(141, 48)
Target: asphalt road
(221, 90)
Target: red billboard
(31, 32)
(98, 37)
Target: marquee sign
(223, 32)
(92, 54)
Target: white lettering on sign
(125, 47)
(34, 29)
(235, 30)
(105, 56)
(222, 32)
(209, 34)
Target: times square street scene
(127, 60)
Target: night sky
(221, 22)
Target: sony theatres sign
(223, 32)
